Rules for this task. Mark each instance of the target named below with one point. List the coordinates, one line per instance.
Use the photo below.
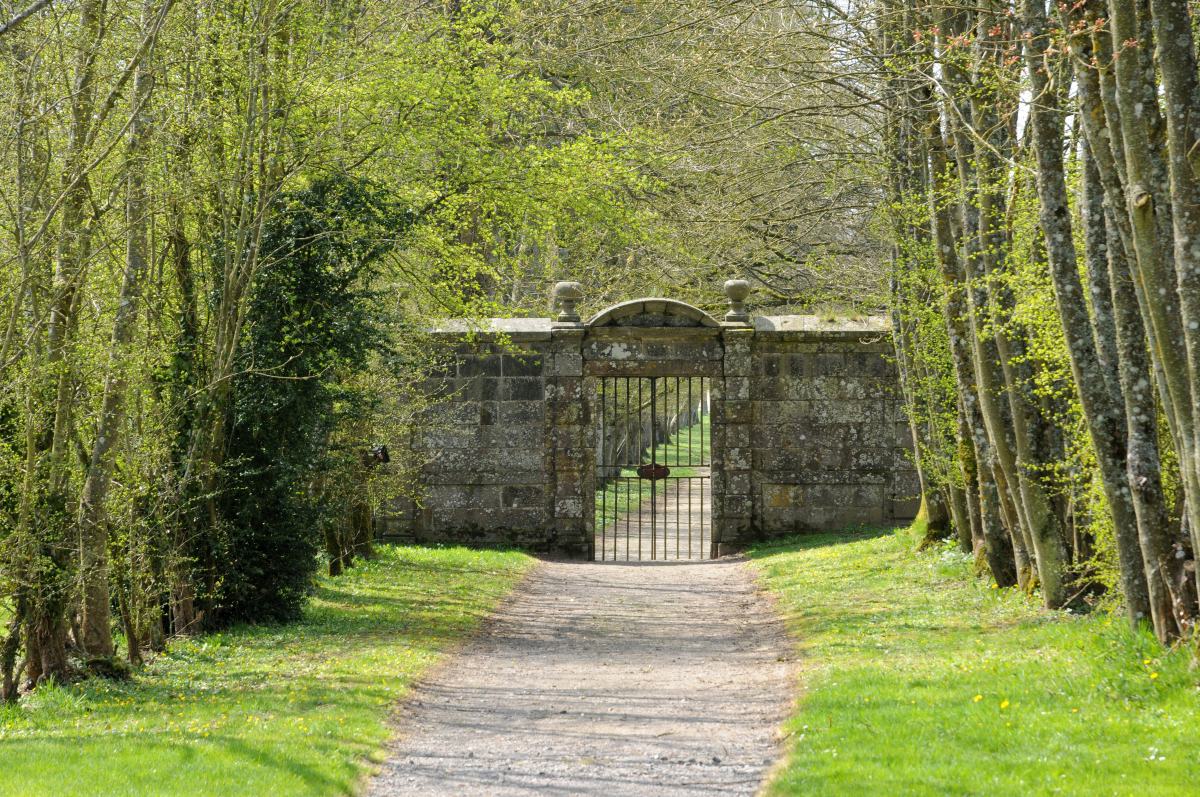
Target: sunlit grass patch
(282, 710)
(918, 678)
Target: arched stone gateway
(647, 313)
(795, 425)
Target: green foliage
(297, 709)
(493, 151)
(919, 302)
(918, 679)
(1021, 309)
(311, 325)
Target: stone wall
(487, 480)
(829, 436)
(807, 431)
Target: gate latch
(653, 472)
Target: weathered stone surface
(515, 329)
(738, 458)
(450, 437)
(733, 411)
(820, 388)
(828, 411)
(521, 412)
(509, 436)
(738, 435)
(807, 432)
(652, 312)
(525, 364)
(464, 496)
(633, 367)
(566, 364)
(489, 365)
(815, 327)
(522, 389)
(456, 413)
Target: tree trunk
(1148, 209)
(997, 544)
(9, 649)
(1097, 98)
(1143, 464)
(93, 531)
(969, 468)
(1102, 409)
(960, 516)
(1177, 64)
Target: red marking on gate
(653, 472)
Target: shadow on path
(600, 680)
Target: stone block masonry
(486, 479)
(808, 432)
(830, 439)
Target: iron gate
(653, 469)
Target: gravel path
(681, 517)
(604, 679)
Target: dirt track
(604, 679)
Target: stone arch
(652, 313)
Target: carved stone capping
(566, 296)
(736, 291)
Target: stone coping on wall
(520, 330)
(822, 326)
(539, 329)
(653, 312)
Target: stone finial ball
(737, 290)
(568, 291)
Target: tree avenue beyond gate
(804, 426)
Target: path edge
(395, 719)
(794, 668)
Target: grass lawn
(916, 678)
(287, 710)
(688, 446)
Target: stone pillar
(732, 429)
(570, 452)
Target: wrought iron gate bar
(653, 446)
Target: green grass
(690, 445)
(286, 710)
(916, 678)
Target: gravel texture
(608, 679)
(676, 525)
